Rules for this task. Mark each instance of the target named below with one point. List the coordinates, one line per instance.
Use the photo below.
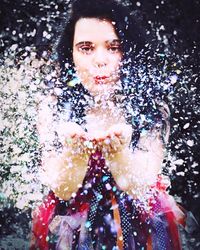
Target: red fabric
(43, 215)
(173, 228)
(41, 219)
(173, 213)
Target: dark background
(24, 21)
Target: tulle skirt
(102, 216)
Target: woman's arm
(63, 167)
(135, 171)
(64, 172)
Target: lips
(100, 79)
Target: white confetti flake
(138, 4)
(186, 125)
(190, 143)
(179, 162)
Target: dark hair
(128, 29)
(140, 91)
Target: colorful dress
(102, 216)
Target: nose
(100, 58)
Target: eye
(86, 49)
(114, 48)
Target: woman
(107, 191)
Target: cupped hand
(113, 140)
(78, 142)
(74, 137)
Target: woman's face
(97, 54)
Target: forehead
(87, 29)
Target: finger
(117, 133)
(73, 135)
(107, 140)
(116, 143)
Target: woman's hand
(73, 138)
(121, 134)
(107, 128)
(113, 140)
(68, 169)
(110, 141)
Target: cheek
(80, 63)
(82, 68)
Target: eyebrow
(114, 41)
(83, 43)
